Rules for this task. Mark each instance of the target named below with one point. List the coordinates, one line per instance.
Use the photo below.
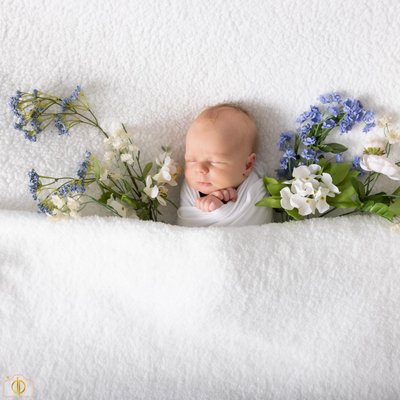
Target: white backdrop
(153, 65)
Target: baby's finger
(218, 194)
(232, 194)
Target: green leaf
(378, 209)
(338, 171)
(271, 201)
(147, 169)
(332, 148)
(104, 197)
(395, 207)
(359, 187)
(268, 180)
(275, 188)
(128, 200)
(294, 214)
(96, 166)
(347, 198)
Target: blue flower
(329, 123)
(369, 117)
(34, 183)
(289, 153)
(13, 103)
(68, 100)
(84, 166)
(330, 98)
(334, 111)
(368, 127)
(315, 114)
(68, 188)
(60, 125)
(284, 140)
(356, 164)
(308, 140)
(309, 154)
(43, 209)
(339, 157)
(303, 130)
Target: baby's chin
(205, 188)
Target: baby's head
(220, 145)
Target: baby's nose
(202, 167)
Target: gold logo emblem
(17, 387)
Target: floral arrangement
(117, 182)
(313, 177)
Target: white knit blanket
(104, 308)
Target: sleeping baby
(222, 183)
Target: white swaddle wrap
(239, 213)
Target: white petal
(380, 164)
(301, 172)
(286, 194)
(305, 205)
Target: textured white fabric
(242, 212)
(111, 309)
(105, 308)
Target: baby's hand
(228, 194)
(208, 203)
(216, 199)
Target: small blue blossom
(68, 100)
(330, 98)
(339, 157)
(330, 123)
(334, 111)
(60, 125)
(309, 154)
(368, 127)
(43, 209)
(356, 164)
(34, 183)
(284, 140)
(315, 114)
(303, 130)
(13, 103)
(68, 188)
(308, 140)
(369, 117)
(84, 166)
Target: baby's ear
(251, 159)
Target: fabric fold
(242, 212)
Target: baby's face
(217, 155)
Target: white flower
(308, 190)
(126, 157)
(383, 121)
(153, 191)
(168, 170)
(382, 165)
(375, 145)
(393, 136)
(305, 205)
(118, 207)
(327, 181)
(320, 199)
(58, 201)
(286, 195)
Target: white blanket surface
(105, 308)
